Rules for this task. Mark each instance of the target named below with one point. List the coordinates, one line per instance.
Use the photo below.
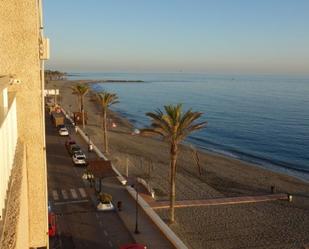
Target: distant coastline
(58, 75)
(106, 81)
(115, 81)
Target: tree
(173, 126)
(106, 100)
(54, 75)
(81, 90)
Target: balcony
(13, 180)
(8, 138)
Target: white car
(105, 206)
(80, 154)
(79, 159)
(63, 131)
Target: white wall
(8, 141)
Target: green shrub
(105, 198)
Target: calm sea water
(260, 119)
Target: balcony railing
(8, 138)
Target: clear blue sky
(218, 36)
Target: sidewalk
(150, 234)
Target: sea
(261, 119)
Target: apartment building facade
(23, 180)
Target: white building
(23, 188)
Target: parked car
(51, 224)
(68, 143)
(63, 131)
(133, 246)
(105, 203)
(78, 160)
(80, 154)
(74, 148)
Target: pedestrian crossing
(82, 192)
(68, 194)
(73, 193)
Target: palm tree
(106, 100)
(81, 90)
(173, 126)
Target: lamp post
(136, 209)
(90, 146)
(70, 111)
(55, 96)
(90, 178)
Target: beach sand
(276, 224)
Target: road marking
(55, 195)
(64, 194)
(97, 216)
(101, 224)
(110, 243)
(105, 233)
(82, 192)
(69, 202)
(73, 193)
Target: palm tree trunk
(82, 109)
(105, 131)
(79, 103)
(173, 181)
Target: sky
(218, 36)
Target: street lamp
(70, 111)
(136, 209)
(90, 146)
(55, 96)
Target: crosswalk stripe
(74, 194)
(64, 194)
(55, 195)
(82, 192)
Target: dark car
(74, 148)
(68, 143)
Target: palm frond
(107, 99)
(173, 125)
(80, 89)
(158, 120)
(150, 132)
(188, 118)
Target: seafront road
(79, 225)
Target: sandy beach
(276, 224)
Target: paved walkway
(208, 202)
(218, 201)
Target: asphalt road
(79, 224)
